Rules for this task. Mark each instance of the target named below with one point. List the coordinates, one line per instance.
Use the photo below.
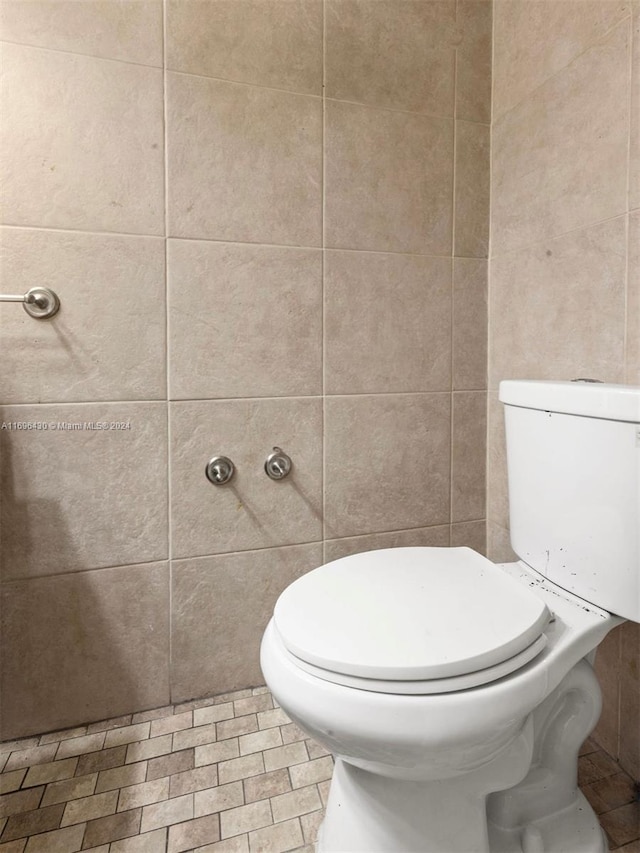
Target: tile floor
(230, 774)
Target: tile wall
(565, 245)
(267, 222)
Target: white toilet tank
(573, 458)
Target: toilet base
(433, 818)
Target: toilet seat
(410, 620)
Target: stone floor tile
(323, 790)
(245, 818)
(106, 759)
(68, 840)
(168, 765)
(258, 741)
(231, 697)
(192, 705)
(113, 723)
(90, 808)
(277, 838)
(12, 780)
(168, 725)
(634, 847)
(218, 799)
(275, 717)
(251, 705)
(121, 777)
(154, 714)
(21, 801)
(213, 714)
(143, 794)
(315, 750)
(81, 745)
(64, 734)
(127, 734)
(256, 691)
(310, 826)
(193, 833)
(30, 823)
(302, 801)
(20, 744)
(237, 726)
(16, 846)
(151, 748)
(614, 791)
(104, 848)
(70, 789)
(291, 733)
(32, 755)
(40, 774)
(112, 828)
(311, 772)
(194, 736)
(622, 824)
(240, 768)
(212, 753)
(197, 779)
(167, 812)
(285, 756)
(237, 844)
(266, 785)
(148, 842)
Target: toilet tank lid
(590, 399)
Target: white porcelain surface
(408, 614)
(574, 487)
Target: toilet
(455, 693)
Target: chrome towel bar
(39, 302)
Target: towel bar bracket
(39, 302)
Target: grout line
(78, 53)
(167, 352)
(323, 320)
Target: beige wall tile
(421, 536)
(633, 301)
(468, 456)
(470, 534)
(252, 511)
(244, 163)
(370, 484)
(389, 54)
(497, 485)
(86, 133)
(473, 60)
(81, 499)
(275, 43)
(498, 544)
(107, 342)
(634, 147)
(535, 39)
(388, 180)
(469, 324)
(630, 698)
(560, 157)
(222, 606)
(557, 309)
(116, 618)
(245, 321)
(472, 190)
(387, 323)
(107, 28)
(607, 668)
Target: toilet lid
(405, 614)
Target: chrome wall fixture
(278, 464)
(219, 470)
(39, 302)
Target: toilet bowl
(429, 752)
(455, 693)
